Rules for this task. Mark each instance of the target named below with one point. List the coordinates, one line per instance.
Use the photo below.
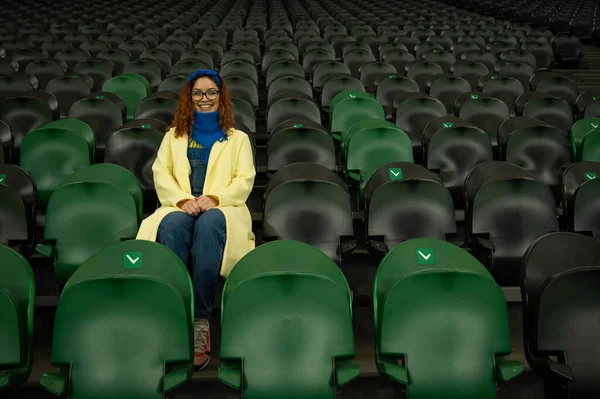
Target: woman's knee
(176, 223)
(211, 221)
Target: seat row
(280, 293)
(104, 203)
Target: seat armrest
(176, 377)
(508, 369)
(230, 374)
(57, 382)
(346, 372)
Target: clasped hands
(198, 205)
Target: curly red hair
(184, 114)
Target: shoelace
(200, 332)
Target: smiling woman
(203, 174)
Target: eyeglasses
(211, 94)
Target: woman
(203, 174)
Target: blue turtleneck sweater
(206, 131)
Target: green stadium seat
(426, 208)
(590, 147)
(346, 135)
(132, 91)
(50, 154)
(425, 282)
(83, 218)
(17, 297)
(136, 327)
(77, 126)
(350, 109)
(371, 148)
(578, 133)
(110, 173)
(272, 303)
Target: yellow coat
(229, 178)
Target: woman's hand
(191, 207)
(206, 203)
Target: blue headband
(206, 72)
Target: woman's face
(205, 95)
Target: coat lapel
(181, 165)
(215, 153)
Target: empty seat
(174, 83)
(22, 115)
(334, 85)
(425, 282)
(48, 163)
(283, 68)
(13, 215)
(576, 177)
(148, 68)
(453, 151)
(101, 114)
(560, 87)
(14, 85)
(246, 86)
(447, 89)
(373, 72)
(300, 142)
(291, 105)
(559, 272)
(288, 83)
(373, 146)
(83, 218)
(503, 88)
(161, 108)
(313, 293)
(413, 115)
(518, 70)
(426, 209)
(17, 297)
(553, 111)
(389, 89)
(135, 149)
(579, 131)
(507, 210)
(487, 114)
(158, 325)
(67, 90)
(349, 107)
(100, 70)
(309, 203)
(21, 186)
(541, 150)
(45, 71)
(239, 68)
(470, 71)
(129, 89)
(110, 173)
(422, 72)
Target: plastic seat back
(83, 218)
(468, 307)
(551, 255)
(312, 211)
(110, 173)
(48, 163)
(426, 209)
(130, 90)
(274, 335)
(17, 288)
(22, 115)
(153, 331)
(454, 152)
(564, 326)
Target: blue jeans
(204, 236)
